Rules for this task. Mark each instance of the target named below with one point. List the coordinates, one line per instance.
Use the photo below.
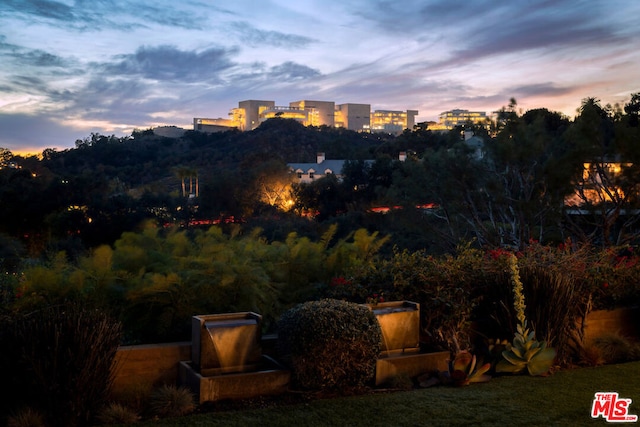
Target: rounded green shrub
(329, 344)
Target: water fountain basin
(400, 325)
(226, 343)
(268, 378)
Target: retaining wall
(155, 364)
(623, 321)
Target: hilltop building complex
(358, 117)
(450, 119)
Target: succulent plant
(464, 372)
(526, 353)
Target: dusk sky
(69, 68)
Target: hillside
(90, 194)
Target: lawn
(562, 399)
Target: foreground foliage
(155, 280)
(57, 362)
(467, 297)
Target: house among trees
(308, 172)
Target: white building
(309, 172)
(358, 117)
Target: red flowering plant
(343, 288)
(441, 285)
(614, 276)
(554, 280)
(563, 283)
(376, 298)
(339, 281)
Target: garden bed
(154, 364)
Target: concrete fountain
(400, 351)
(227, 360)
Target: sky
(69, 68)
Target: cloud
(191, 16)
(3, 43)
(409, 17)
(254, 37)
(462, 31)
(290, 71)
(546, 89)
(20, 63)
(172, 64)
(545, 27)
(118, 63)
(90, 15)
(40, 58)
(23, 132)
(30, 84)
(103, 93)
(49, 9)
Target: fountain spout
(226, 343)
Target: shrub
(62, 362)
(134, 396)
(555, 306)
(610, 275)
(330, 344)
(441, 285)
(590, 355)
(171, 401)
(26, 417)
(116, 413)
(615, 348)
(401, 381)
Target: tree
(273, 183)
(606, 185)
(356, 182)
(511, 190)
(323, 198)
(456, 182)
(528, 182)
(193, 175)
(633, 109)
(183, 173)
(506, 116)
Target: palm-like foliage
(526, 353)
(464, 369)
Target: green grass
(562, 399)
